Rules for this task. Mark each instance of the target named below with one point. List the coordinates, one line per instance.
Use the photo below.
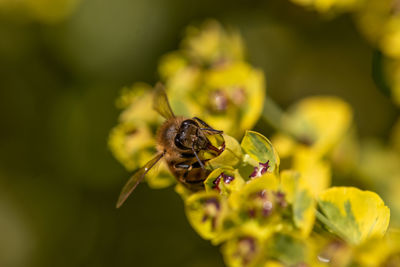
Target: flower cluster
(327, 143)
(262, 216)
(319, 123)
(207, 78)
(379, 22)
(261, 208)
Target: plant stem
(272, 114)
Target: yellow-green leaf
(303, 204)
(231, 156)
(353, 214)
(259, 148)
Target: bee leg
(219, 151)
(201, 122)
(198, 159)
(207, 127)
(211, 130)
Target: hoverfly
(180, 142)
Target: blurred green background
(58, 83)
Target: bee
(180, 142)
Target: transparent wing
(160, 102)
(136, 178)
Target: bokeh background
(62, 65)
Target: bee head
(190, 136)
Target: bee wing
(161, 103)
(136, 178)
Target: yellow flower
(209, 78)
(211, 44)
(224, 181)
(133, 140)
(318, 124)
(133, 145)
(390, 41)
(246, 247)
(206, 212)
(371, 18)
(379, 21)
(230, 96)
(329, 6)
(234, 91)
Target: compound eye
(178, 142)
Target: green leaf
(286, 249)
(259, 148)
(353, 214)
(303, 204)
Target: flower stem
(274, 115)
